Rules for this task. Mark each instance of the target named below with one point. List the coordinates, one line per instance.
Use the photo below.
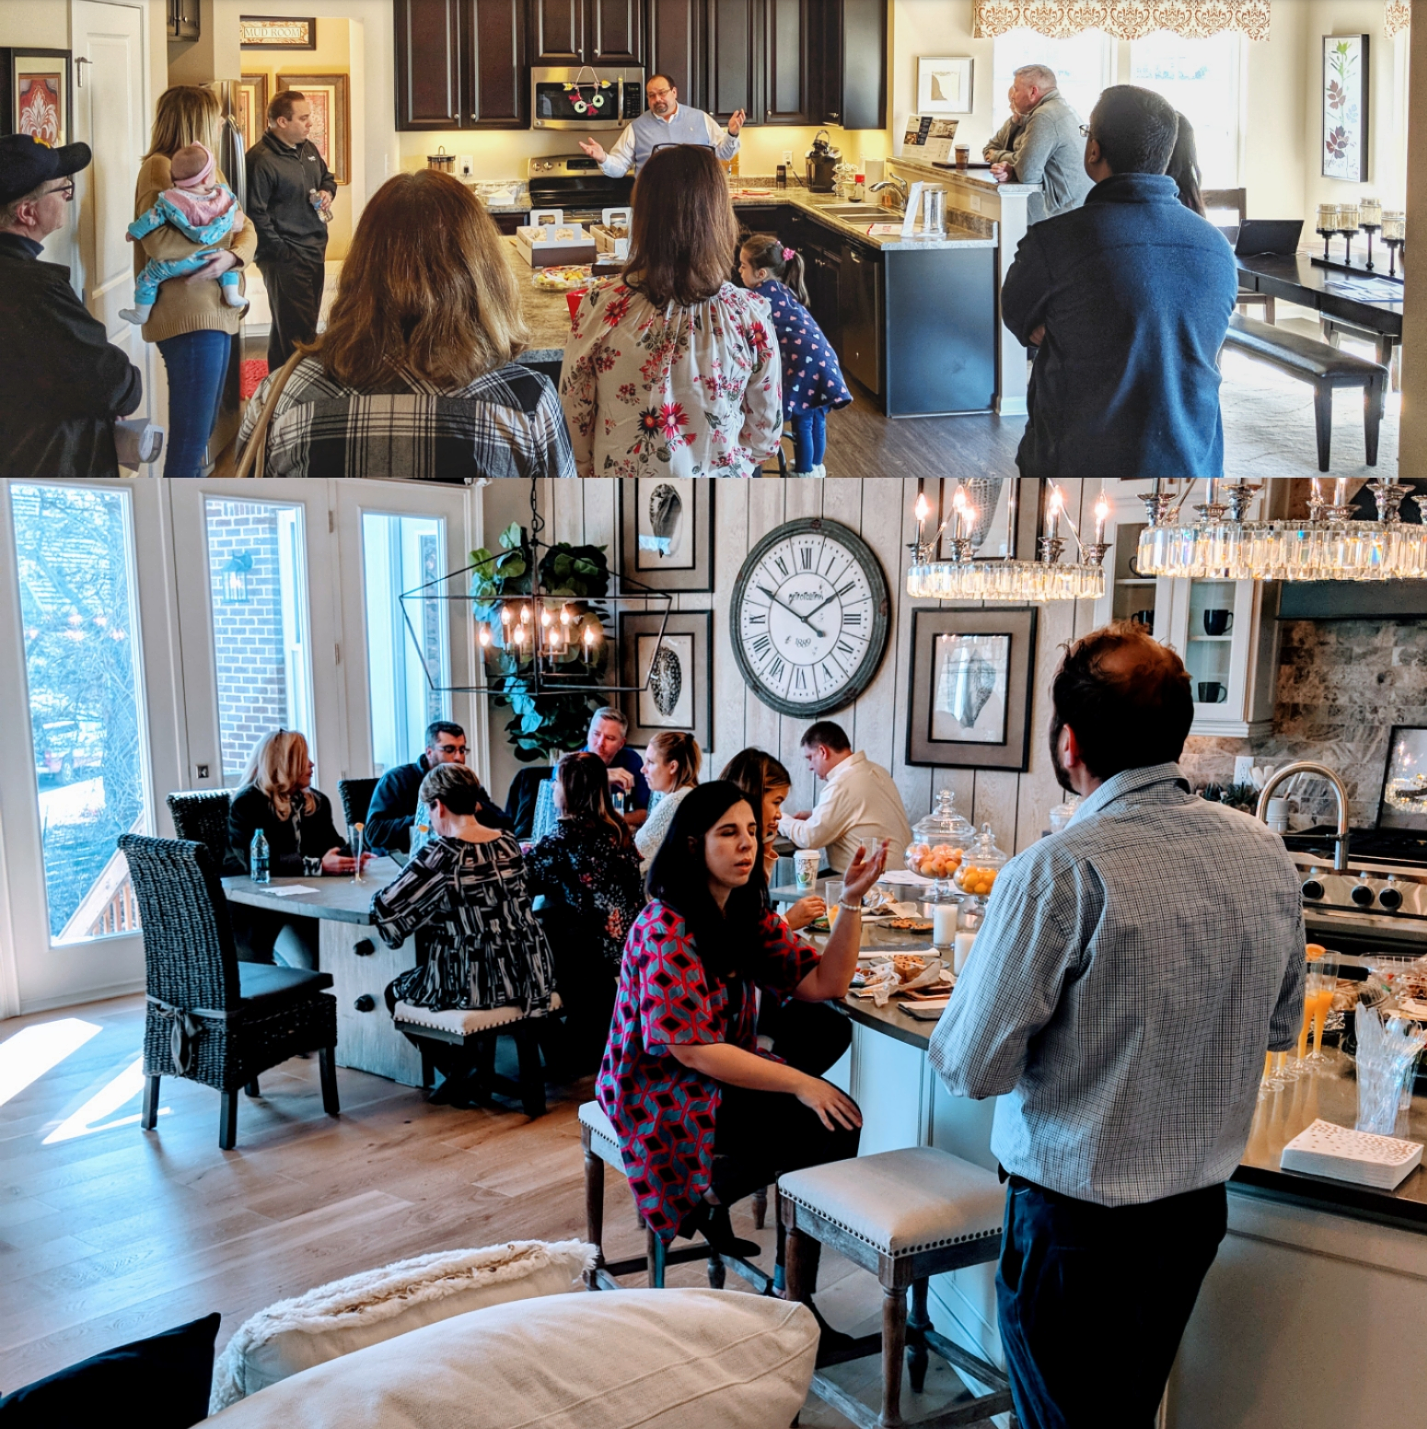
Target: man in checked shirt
(1130, 973)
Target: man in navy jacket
(1128, 299)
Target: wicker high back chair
(201, 815)
(211, 1018)
(356, 796)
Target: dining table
(348, 948)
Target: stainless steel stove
(576, 184)
(1379, 904)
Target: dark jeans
(809, 438)
(262, 936)
(294, 287)
(810, 1036)
(1093, 1301)
(197, 363)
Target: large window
(257, 574)
(1084, 64)
(1201, 78)
(407, 659)
(74, 550)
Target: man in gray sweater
(1040, 143)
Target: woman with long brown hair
(588, 870)
(191, 323)
(415, 377)
(671, 369)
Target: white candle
(923, 510)
(964, 943)
(943, 924)
(1052, 520)
(958, 507)
(1102, 512)
(1340, 491)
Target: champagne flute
(358, 829)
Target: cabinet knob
(364, 947)
(365, 1003)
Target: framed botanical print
(251, 108)
(666, 540)
(670, 658)
(1345, 107)
(1006, 512)
(37, 94)
(971, 688)
(331, 118)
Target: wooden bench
(1325, 367)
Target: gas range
(1380, 903)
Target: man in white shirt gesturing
(859, 802)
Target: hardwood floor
(108, 1234)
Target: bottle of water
(258, 863)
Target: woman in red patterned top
(704, 1118)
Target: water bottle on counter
(259, 865)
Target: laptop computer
(1268, 235)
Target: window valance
(1399, 17)
(1124, 19)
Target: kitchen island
(1309, 1317)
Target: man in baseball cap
(62, 382)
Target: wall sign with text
(276, 32)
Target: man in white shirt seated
(666, 121)
(859, 802)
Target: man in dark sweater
(392, 812)
(1128, 299)
(62, 382)
(284, 172)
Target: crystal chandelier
(1329, 546)
(966, 577)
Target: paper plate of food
(562, 280)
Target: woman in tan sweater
(190, 322)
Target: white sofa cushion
(655, 1359)
(347, 1315)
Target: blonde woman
(191, 323)
(277, 796)
(671, 767)
(415, 377)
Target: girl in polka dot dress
(812, 379)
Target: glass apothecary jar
(981, 865)
(939, 840)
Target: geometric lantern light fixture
(233, 587)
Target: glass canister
(981, 865)
(939, 840)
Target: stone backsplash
(1342, 685)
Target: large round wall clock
(809, 617)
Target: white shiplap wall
(880, 510)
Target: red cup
(572, 300)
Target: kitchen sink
(872, 212)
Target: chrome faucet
(1308, 766)
(892, 181)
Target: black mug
(1211, 692)
(1218, 622)
(1143, 617)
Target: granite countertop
(546, 314)
(1281, 1115)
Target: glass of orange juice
(832, 892)
(1321, 989)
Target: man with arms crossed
(1118, 1002)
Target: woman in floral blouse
(588, 870)
(703, 1116)
(671, 370)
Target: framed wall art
(331, 118)
(666, 540)
(676, 669)
(971, 688)
(37, 94)
(943, 85)
(1008, 516)
(1345, 107)
(277, 32)
(251, 107)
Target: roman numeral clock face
(809, 617)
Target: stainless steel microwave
(585, 97)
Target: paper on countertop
(292, 889)
(905, 876)
(1327, 1149)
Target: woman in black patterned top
(464, 895)
(588, 870)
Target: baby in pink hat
(203, 212)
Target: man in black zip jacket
(284, 170)
(62, 382)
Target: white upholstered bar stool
(905, 1216)
(601, 1146)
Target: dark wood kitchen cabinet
(183, 21)
(849, 52)
(676, 46)
(587, 32)
(461, 64)
(787, 62)
(735, 58)
(760, 56)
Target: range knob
(1391, 896)
(1312, 888)
(1362, 895)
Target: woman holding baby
(194, 314)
